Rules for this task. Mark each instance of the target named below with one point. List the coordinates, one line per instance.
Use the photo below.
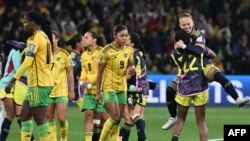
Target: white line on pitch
(221, 139)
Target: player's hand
(179, 45)
(71, 95)
(137, 89)
(131, 70)
(98, 98)
(10, 85)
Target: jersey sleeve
(84, 70)
(69, 62)
(102, 57)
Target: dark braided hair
(182, 35)
(74, 40)
(100, 39)
(40, 20)
(135, 38)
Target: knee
(61, 118)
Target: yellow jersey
(116, 62)
(62, 61)
(37, 61)
(89, 62)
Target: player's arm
(70, 77)
(29, 58)
(83, 76)
(152, 85)
(101, 66)
(209, 53)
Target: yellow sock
(26, 131)
(25, 136)
(52, 128)
(88, 136)
(114, 134)
(44, 133)
(64, 130)
(108, 125)
(45, 137)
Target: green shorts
(38, 96)
(61, 99)
(91, 104)
(114, 97)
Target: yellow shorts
(143, 102)
(18, 92)
(198, 100)
(209, 71)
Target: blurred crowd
(226, 24)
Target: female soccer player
(62, 91)
(89, 61)
(76, 43)
(210, 71)
(13, 101)
(114, 60)
(37, 63)
(137, 85)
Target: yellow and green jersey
(62, 61)
(89, 61)
(116, 61)
(37, 61)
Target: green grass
(155, 117)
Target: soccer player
(12, 101)
(37, 63)
(115, 59)
(210, 71)
(138, 90)
(190, 90)
(62, 91)
(76, 43)
(88, 77)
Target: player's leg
(38, 102)
(19, 94)
(97, 126)
(182, 109)
(89, 109)
(51, 118)
(10, 114)
(27, 123)
(61, 111)
(171, 103)
(2, 112)
(100, 118)
(122, 99)
(112, 107)
(200, 102)
(136, 117)
(126, 127)
(214, 74)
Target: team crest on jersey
(125, 55)
(32, 47)
(100, 59)
(58, 58)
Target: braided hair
(41, 21)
